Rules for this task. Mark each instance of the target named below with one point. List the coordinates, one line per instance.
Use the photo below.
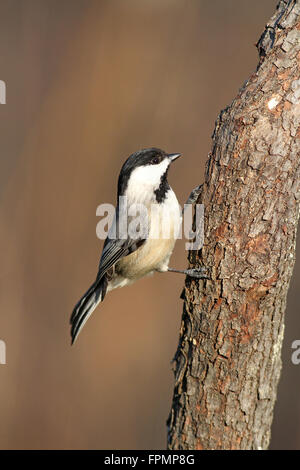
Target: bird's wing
(116, 248)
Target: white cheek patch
(149, 174)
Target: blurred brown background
(89, 82)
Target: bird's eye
(155, 160)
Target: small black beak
(174, 156)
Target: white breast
(155, 253)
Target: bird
(129, 256)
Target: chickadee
(125, 259)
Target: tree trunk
(228, 360)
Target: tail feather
(86, 305)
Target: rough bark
(228, 360)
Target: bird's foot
(196, 273)
(193, 197)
